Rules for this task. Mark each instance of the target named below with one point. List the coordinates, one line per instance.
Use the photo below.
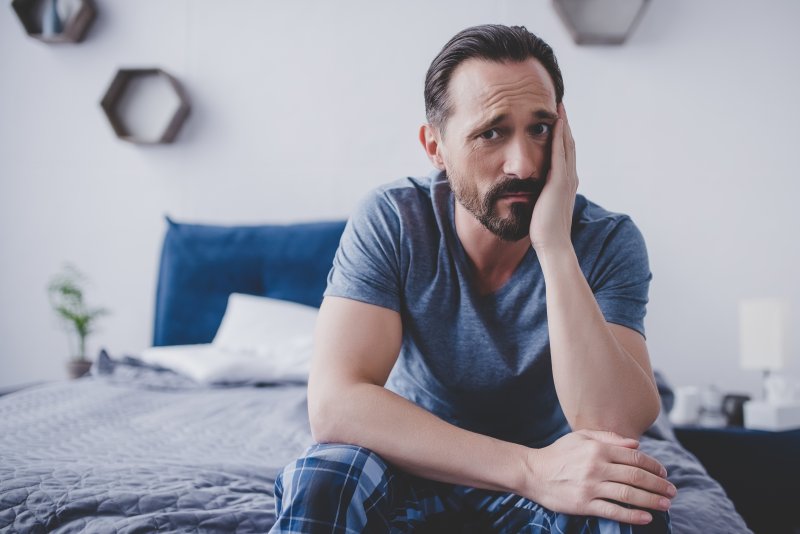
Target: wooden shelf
(603, 22)
(145, 106)
(77, 17)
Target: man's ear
(429, 137)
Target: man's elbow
(649, 412)
(642, 416)
(630, 424)
(321, 416)
(634, 427)
(330, 413)
(319, 430)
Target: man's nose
(520, 159)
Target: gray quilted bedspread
(141, 451)
(134, 449)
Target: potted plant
(66, 296)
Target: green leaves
(65, 291)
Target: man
(480, 362)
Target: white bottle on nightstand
(686, 408)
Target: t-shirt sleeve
(621, 277)
(366, 266)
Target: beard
(514, 226)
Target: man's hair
(492, 42)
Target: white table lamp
(763, 340)
(763, 329)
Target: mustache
(511, 186)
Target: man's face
(496, 143)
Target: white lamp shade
(763, 329)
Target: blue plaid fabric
(345, 489)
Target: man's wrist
(527, 482)
(555, 256)
(514, 473)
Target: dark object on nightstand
(733, 408)
(759, 470)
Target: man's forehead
(479, 85)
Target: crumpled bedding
(701, 505)
(136, 448)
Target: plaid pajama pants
(347, 489)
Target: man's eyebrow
(544, 114)
(488, 124)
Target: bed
(138, 447)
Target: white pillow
(261, 324)
(259, 340)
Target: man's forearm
(600, 386)
(417, 441)
(574, 475)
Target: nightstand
(759, 470)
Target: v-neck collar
(467, 269)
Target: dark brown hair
(492, 42)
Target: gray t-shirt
(481, 362)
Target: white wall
(300, 106)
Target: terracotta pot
(78, 368)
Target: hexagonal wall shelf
(145, 106)
(600, 21)
(55, 21)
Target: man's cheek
(475, 161)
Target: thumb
(612, 438)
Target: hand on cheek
(552, 216)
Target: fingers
(603, 474)
(642, 480)
(627, 452)
(557, 155)
(630, 495)
(610, 510)
(611, 493)
(636, 458)
(568, 141)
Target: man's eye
(490, 135)
(541, 129)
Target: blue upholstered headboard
(202, 264)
